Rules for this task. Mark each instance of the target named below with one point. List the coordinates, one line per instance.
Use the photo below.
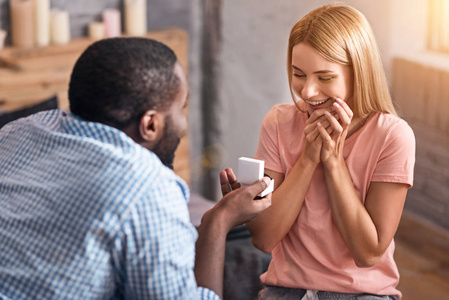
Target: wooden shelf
(28, 76)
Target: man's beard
(166, 148)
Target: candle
(136, 17)
(112, 23)
(22, 21)
(42, 20)
(2, 38)
(96, 30)
(59, 27)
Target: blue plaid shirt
(86, 213)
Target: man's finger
(235, 185)
(263, 203)
(260, 205)
(224, 177)
(225, 189)
(224, 183)
(228, 181)
(232, 179)
(259, 186)
(231, 175)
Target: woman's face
(318, 81)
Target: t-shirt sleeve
(155, 248)
(397, 158)
(268, 147)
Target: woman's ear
(151, 126)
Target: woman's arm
(366, 228)
(269, 227)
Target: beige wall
(255, 36)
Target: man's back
(87, 213)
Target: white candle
(112, 22)
(22, 21)
(60, 26)
(42, 15)
(136, 17)
(2, 38)
(96, 30)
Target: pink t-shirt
(313, 255)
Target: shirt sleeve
(397, 158)
(268, 147)
(154, 252)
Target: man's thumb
(259, 186)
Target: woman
(342, 162)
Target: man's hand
(238, 205)
(228, 181)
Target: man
(87, 212)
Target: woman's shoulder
(390, 121)
(284, 107)
(392, 126)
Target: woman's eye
(326, 78)
(299, 75)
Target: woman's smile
(317, 103)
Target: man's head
(135, 85)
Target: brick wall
(422, 94)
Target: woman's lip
(319, 105)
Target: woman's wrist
(333, 163)
(305, 162)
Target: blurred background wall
(237, 72)
(253, 71)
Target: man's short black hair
(116, 80)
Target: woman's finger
(311, 131)
(311, 125)
(345, 106)
(317, 115)
(336, 126)
(323, 133)
(345, 119)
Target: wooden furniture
(27, 76)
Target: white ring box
(251, 170)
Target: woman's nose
(309, 90)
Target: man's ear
(151, 126)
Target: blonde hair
(341, 34)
